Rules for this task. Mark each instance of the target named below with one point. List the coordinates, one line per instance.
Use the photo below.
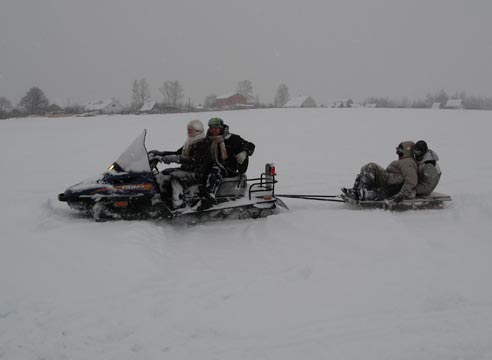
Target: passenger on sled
(429, 170)
(395, 183)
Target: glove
(170, 159)
(241, 157)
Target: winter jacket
(429, 173)
(404, 171)
(200, 159)
(234, 145)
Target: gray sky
(94, 49)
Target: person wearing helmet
(194, 158)
(429, 170)
(395, 183)
(230, 154)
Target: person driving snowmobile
(195, 159)
(395, 183)
(230, 153)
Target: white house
(454, 104)
(301, 102)
(110, 106)
(436, 106)
(343, 103)
(149, 107)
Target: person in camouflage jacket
(396, 183)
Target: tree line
(440, 97)
(35, 102)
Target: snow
(226, 96)
(322, 281)
(148, 106)
(297, 102)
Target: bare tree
(140, 93)
(282, 96)
(245, 88)
(210, 101)
(74, 109)
(34, 102)
(5, 106)
(440, 97)
(173, 92)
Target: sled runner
(129, 190)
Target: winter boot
(351, 193)
(206, 202)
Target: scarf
(218, 144)
(185, 152)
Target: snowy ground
(322, 281)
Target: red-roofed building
(231, 100)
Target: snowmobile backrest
(232, 186)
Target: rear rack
(264, 184)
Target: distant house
(231, 100)
(54, 111)
(301, 102)
(344, 103)
(454, 104)
(150, 107)
(110, 106)
(371, 105)
(436, 106)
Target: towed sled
(433, 201)
(129, 190)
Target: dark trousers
(214, 177)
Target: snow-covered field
(322, 281)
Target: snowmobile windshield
(134, 158)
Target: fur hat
(197, 125)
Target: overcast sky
(93, 49)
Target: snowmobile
(129, 190)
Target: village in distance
(36, 103)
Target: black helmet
(420, 148)
(399, 149)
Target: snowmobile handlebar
(155, 157)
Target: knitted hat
(216, 122)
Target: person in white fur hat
(194, 158)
